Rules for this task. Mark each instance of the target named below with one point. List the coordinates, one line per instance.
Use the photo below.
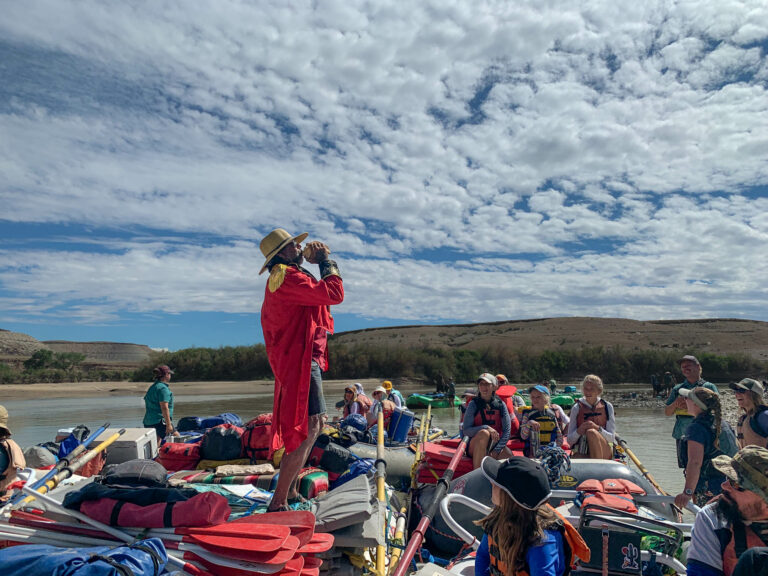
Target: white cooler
(134, 443)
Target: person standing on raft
(296, 321)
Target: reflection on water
(647, 431)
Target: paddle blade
(248, 550)
(266, 538)
(320, 542)
(301, 522)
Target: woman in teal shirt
(158, 404)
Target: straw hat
(276, 241)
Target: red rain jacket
(295, 306)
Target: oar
(640, 466)
(124, 537)
(417, 537)
(67, 471)
(381, 474)
(269, 538)
(62, 463)
(258, 549)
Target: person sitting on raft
(381, 404)
(752, 426)
(523, 534)
(393, 395)
(351, 404)
(698, 446)
(540, 424)
(11, 456)
(592, 428)
(365, 402)
(487, 423)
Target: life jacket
(612, 492)
(752, 434)
(548, 423)
(360, 408)
(599, 414)
(489, 413)
(365, 402)
(574, 547)
(15, 460)
(742, 539)
(387, 408)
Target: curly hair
(515, 529)
(594, 379)
(712, 402)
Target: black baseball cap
(525, 480)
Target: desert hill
(716, 336)
(16, 347)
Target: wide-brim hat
(380, 389)
(276, 241)
(749, 384)
(523, 479)
(4, 420)
(749, 467)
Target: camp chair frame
(615, 543)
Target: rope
(555, 461)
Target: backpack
(728, 443)
(175, 456)
(189, 423)
(256, 438)
(222, 443)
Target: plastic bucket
(400, 423)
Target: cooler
(400, 423)
(134, 443)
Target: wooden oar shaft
(381, 474)
(640, 466)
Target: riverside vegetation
(615, 364)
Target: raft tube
(434, 400)
(441, 540)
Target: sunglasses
(740, 391)
(735, 485)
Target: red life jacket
(742, 539)
(597, 414)
(489, 413)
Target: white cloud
(612, 143)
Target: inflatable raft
(434, 400)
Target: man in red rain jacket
(296, 320)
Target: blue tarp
(43, 560)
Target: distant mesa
(16, 347)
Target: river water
(647, 431)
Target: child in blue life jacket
(523, 533)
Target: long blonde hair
(515, 529)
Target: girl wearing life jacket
(383, 405)
(351, 404)
(699, 445)
(593, 423)
(752, 426)
(523, 534)
(540, 425)
(11, 456)
(487, 423)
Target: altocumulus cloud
(465, 161)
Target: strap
(739, 539)
(113, 517)
(120, 568)
(168, 515)
(156, 558)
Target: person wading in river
(296, 321)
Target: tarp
(144, 558)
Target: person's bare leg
(504, 454)
(314, 428)
(478, 447)
(598, 446)
(291, 464)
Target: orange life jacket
(387, 408)
(742, 539)
(360, 408)
(573, 544)
(597, 414)
(365, 402)
(15, 460)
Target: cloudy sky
(465, 161)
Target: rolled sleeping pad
(399, 461)
(476, 486)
